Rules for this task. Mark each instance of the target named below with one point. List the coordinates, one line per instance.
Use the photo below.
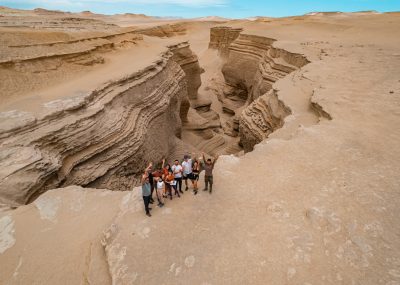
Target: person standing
(160, 191)
(177, 169)
(195, 176)
(166, 168)
(149, 174)
(157, 175)
(208, 175)
(187, 170)
(146, 193)
(170, 183)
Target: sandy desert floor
(315, 201)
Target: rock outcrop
(261, 118)
(57, 22)
(167, 30)
(189, 62)
(26, 66)
(64, 231)
(317, 202)
(101, 139)
(222, 37)
(253, 65)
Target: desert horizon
(254, 16)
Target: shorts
(192, 176)
(186, 176)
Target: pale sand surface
(116, 66)
(315, 203)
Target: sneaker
(187, 188)
(195, 192)
(181, 191)
(205, 189)
(148, 215)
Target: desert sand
(304, 113)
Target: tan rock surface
(315, 202)
(57, 239)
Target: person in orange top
(170, 183)
(166, 168)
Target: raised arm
(148, 167)
(163, 163)
(215, 160)
(144, 176)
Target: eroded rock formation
(188, 61)
(167, 30)
(315, 203)
(222, 37)
(252, 66)
(260, 118)
(102, 139)
(26, 66)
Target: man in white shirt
(187, 170)
(177, 170)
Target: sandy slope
(316, 203)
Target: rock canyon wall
(252, 65)
(102, 138)
(222, 37)
(315, 202)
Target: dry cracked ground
(303, 111)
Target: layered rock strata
(253, 65)
(222, 37)
(66, 22)
(25, 67)
(260, 118)
(167, 30)
(189, 62)
(101, 139)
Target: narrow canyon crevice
(249, 107)
(101, 139)
(307, 178)
(105, 138)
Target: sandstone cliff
(252, 66)
(316, 202)
(222, 37)
(102, 138)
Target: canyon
(302, 112)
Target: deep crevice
(248, 108)
(233, 109)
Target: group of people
(167, 180)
